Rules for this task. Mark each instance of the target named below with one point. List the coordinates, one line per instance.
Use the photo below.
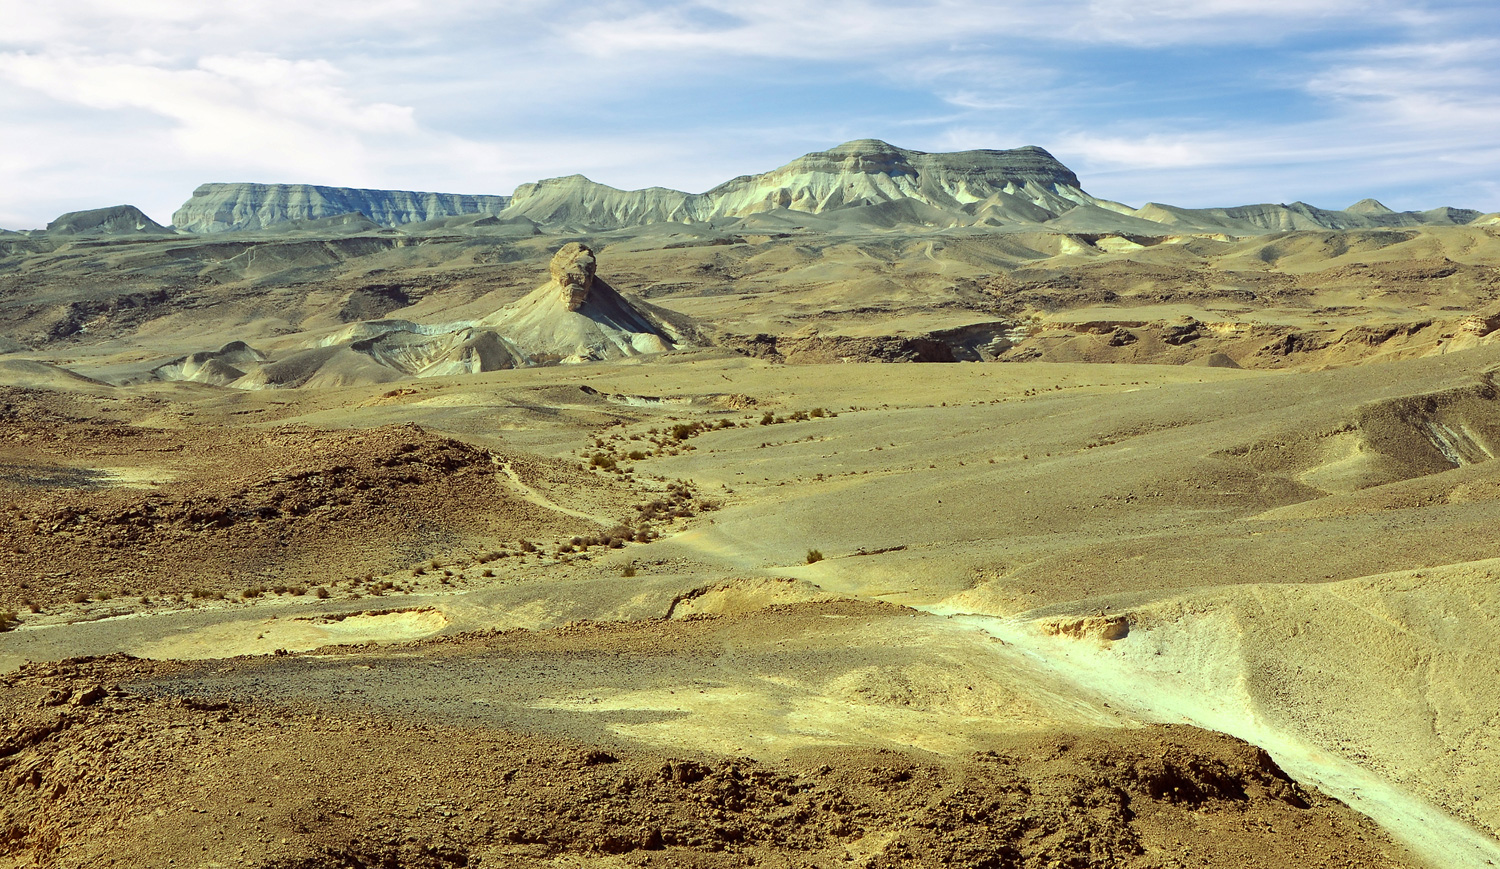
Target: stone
(573, 270)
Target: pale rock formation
(573, 269)
(577, 317)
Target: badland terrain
(884, 509)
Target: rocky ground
(107, 762)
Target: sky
(1190, 102)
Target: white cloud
(139, 100)
(249, 111)
(862, 28)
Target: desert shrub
(636, 455)
(33, 606)
(814, 556)
(628, 571)
(298, 590)
(817, 413)
(253, 591)
(768, 418)
(8, 620)
(320, 593)
(527, 546)
(81, 597)
(602, 462)
(418, 570)
(487, 573)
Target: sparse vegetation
(8, 620)
(320, 593)
(814, 556)
(629, 570)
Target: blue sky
(1190, 102)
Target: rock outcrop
(231, 207)
(114, 220)
(578, 317)
(573, 269)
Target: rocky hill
(114, 220)
(231, 207)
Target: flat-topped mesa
(573, 270)
(864, 172)
(869, 156)
(231, 207)
(869, 172)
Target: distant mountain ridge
(862, 183)
(234, 207)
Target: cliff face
(230, 207)
(865, 172)
(869, 172)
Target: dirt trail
(1436, 837)
(510, 478)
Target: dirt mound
(285, 507)
(1388, 441)
(822, 349)
(744, 595)
(94, 767)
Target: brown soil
(95, 771)
(288, 507)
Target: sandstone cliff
(230, 207)
(1024, 183)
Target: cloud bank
(1195, 102)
